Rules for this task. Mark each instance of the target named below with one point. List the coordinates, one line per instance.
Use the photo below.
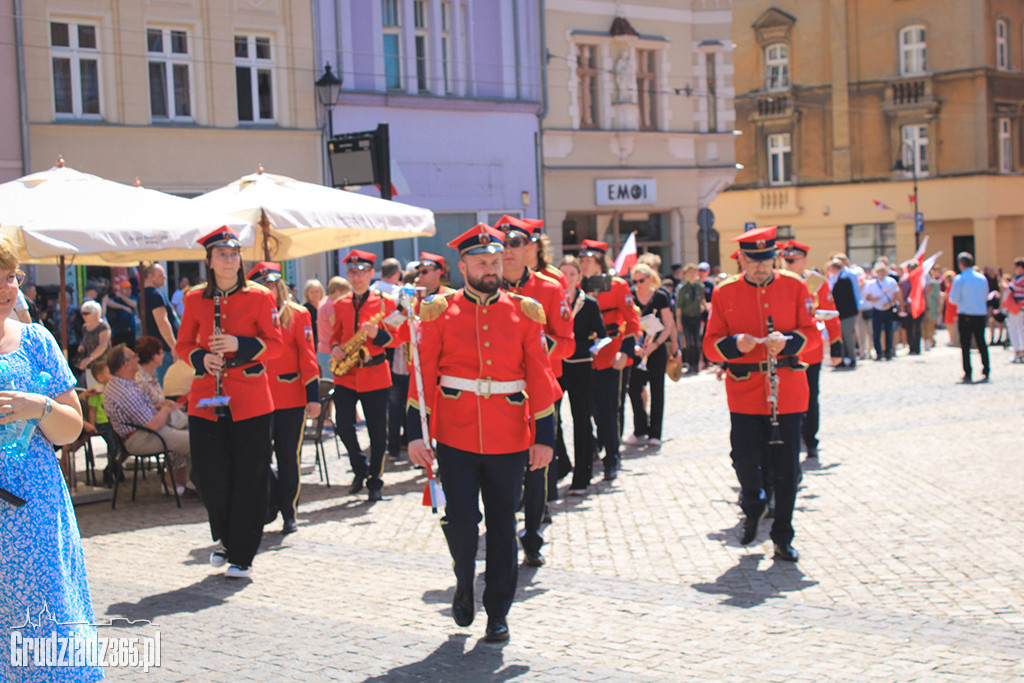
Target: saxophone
(354, 349)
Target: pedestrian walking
(969, 294)
(882, 293)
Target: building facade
(11, 122)
(186, 96)
(638, 124)
(458, 84)
(845, 107)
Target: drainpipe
(19, 43)
(543, 112)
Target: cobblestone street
(910, 530)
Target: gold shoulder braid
(532, 308)
(433, 306)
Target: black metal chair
(142, 462)
(317, 434)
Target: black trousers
(972, 326)
(498, 479)
(655, 376)
(623, 391)
(560, 465)
(912, 326)
(375, 411)
(605, 408)
(811, 417)
(288, 428)
(691, 340)
(230, 466)
(752, 456)
(397, 395)
(576, 382)
(535, 490)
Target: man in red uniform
(743, 308)
(369, 379)
(488, 389)
(795, 255)
(560, 342)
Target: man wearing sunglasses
(560, 342)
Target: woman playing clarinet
(228, 332)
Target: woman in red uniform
(295, 385)
(621, 324)
(229, 330)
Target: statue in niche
(625, 78)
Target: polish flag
(912, 198)
(627, 257)
(918, 282)
(881, 206)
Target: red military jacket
(498, 338)
(295, 374)
(557, 275)
(622, 322)
(737, 306)
(248, 312)
(817, 284)
(557, 316)
(349, 314)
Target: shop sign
(616, 191)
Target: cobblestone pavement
(910, 532)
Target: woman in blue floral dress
(43, 587)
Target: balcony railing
(908, 92)
(777, 201)
(777, 105)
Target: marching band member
(518, 279)
(228, 332)
(482, 355)
(742, 307)
(369, 379)
(295, 386)
(795, 255)
(622, 325)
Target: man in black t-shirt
(161, 318)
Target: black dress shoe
(497, 630)
(463, 605)
(786, 552)
(375, 495)
(750, 525)
(812, 452)
(357, 485)
(534, 559)
(966, 379)
(290, 527)
(611, 473)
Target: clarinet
(773, 391)
(219, 410)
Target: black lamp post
(328, 87)
(900, 166)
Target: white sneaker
(654, 442)
(238, 572)
(633, 440)
(219, 555)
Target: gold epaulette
(616, 278)
(297, 307)
(814, 281)
(196, 288)
(729, 280)
(433, 306)
(531, 307)
(545, 277)
(249, 284)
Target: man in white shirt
(883, 294)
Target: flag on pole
(881, 206)
(918, 283)
(920, 250)
(627, 257)
(912, 197)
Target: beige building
(637, 129)
(187, 96)
(845, 105)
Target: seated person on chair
(151, 355)
(128, 407)
(96, 421)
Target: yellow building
(637, 132)
(845, 106)
(186, 96)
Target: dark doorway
(962, 243)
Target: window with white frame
(914, 148)
(913, 51)
(776, 64)
(1002, 45)
(586, 80)
(647, 88)
(392, 28)
(421, 39)
(1005, 149)
(712, 97)
(447, 56)
(74, 51)
(254, 79)
(170, 95)
(780, 154)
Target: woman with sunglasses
(295, 385)
(228, 333)
(652, 300)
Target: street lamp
(328, 87)
(900, 166)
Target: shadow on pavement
(451, 662)
(747, 585)
(210, 592)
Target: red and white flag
(919, 281)
(627, 257)
(881, 206)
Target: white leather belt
(483, 387)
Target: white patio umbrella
(65, 213)
(294, 218)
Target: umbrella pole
(265, 229)
(63, 302)
(142, 302)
